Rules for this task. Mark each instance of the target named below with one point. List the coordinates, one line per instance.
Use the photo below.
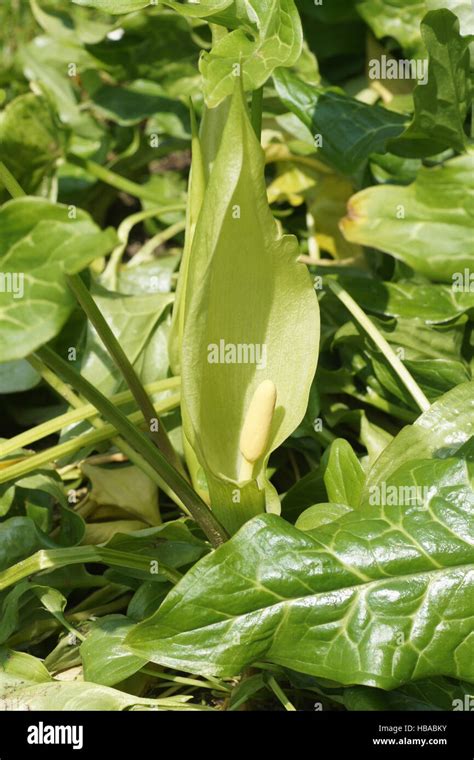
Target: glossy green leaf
(427, 225)
(379, 597)
(245, 290)
(349, 129)
(442, 103)
(39, 243)
(426, 695)
(343, 476)
(105, 659)
(273, 39)
(173, 543)
(321, 514)
(18, 539)
(136, 102)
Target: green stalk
(142, 444)
(84, 412)
(117, 181)
(280, 694)
(181, 679)
(103, 433)
(256, 112)
(9, 182)
(122, 362)
(55, 382)
(46, 559)
(123, 232)
(161, 237)
(64, 390)
(367, 325)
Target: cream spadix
(256, 428)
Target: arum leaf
(343, 477)
(20, 667)
(18, 539)
(248, 302)
(274, 39)
(427, 225)
(39, 243)
(50, 598)
(321, 514)
(381, 596)
(442, 102)
(30, 141)
(429, 694)
(105, 659)
(349, 129)
(135, 321)
(375, 598)
(119, 487)
(78, 695)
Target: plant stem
(142, 444)
(55, 382)
(103, 433)
(64, 390)
(161, 237)
(183, 680)
(117, 181)
(257, 111)
(367, 325)
(123, 233)
(77, 555)
(280, 694)
(159, 436)
(9, 182)
(78, 415)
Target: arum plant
(250, 325)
